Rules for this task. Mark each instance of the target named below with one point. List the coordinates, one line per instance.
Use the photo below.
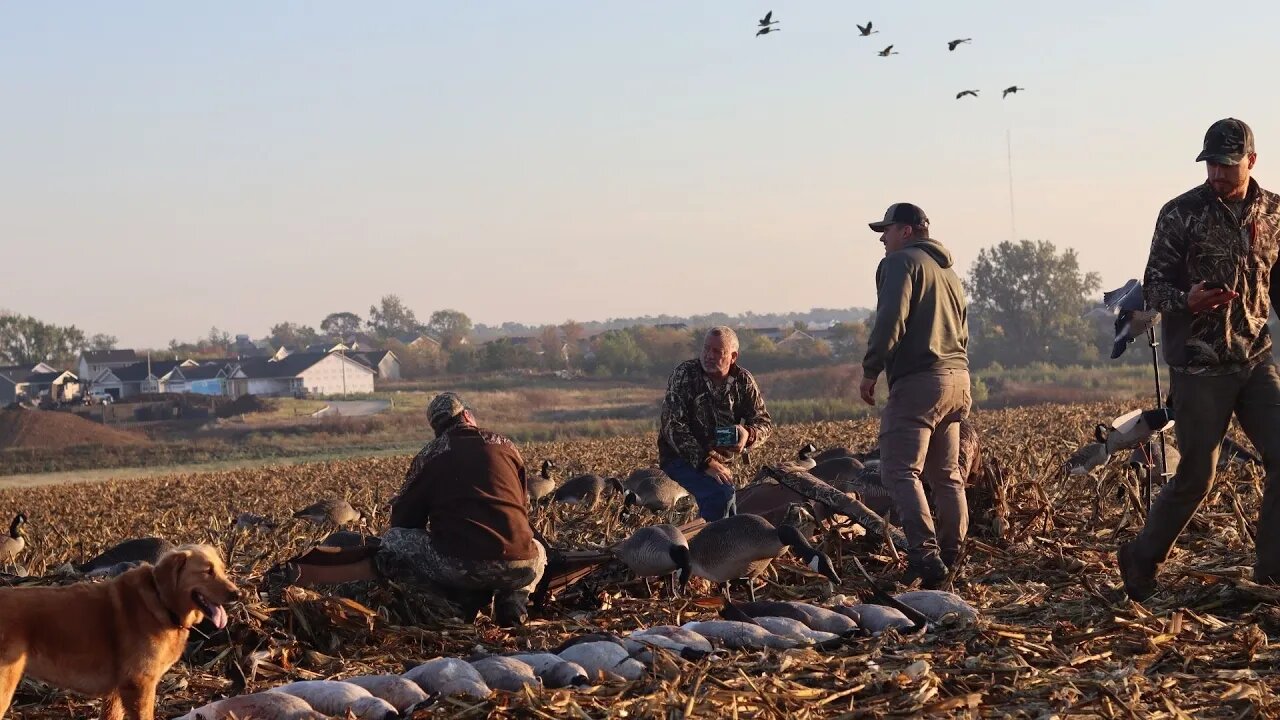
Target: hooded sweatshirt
(921, 314)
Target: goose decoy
(887, 52)
(110, 571)
(740, 635)
(654, 551)
(651, 489)
(1133, 319)
(768, 19)
(865, 30)
(334, 697)
(543, 483)
(604, 657)
(1010, 90)
(817, 618)
(1230, 451)
(449, 676)
(874, 618)
(277, 706)
(555, 671)
(1084, 460)
(835, 452)
(767, 30)
(330, 511)
(742, 546)
(247, 521)
(804, 457)
(1147, 457)
(12, 545)
(966, 93)
(585, 490)
(1133, 428)
(400, 692)
(509, 674)
(953, 44)
(130, 552)
(938, 605)
(871, 502)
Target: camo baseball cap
(1227, 142)
(443, 408)
(901, 213)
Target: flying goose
(502, 672)
(865, 30)
(329, 511)
(402, 693)
(12, 545)
(952, 45)
(742, 546)
(543, 483)
(767, 30)
(1009, 90)
(449, 676)
(887, 52)
(966, 93)
(768, 19)
(333, 697)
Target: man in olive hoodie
(920, 341)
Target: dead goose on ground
(796, 630)
(742, 546)
(448, 676)
(939, 605)
(334, 697)
(401, 692)
(816, 617)
(874, 619)
(509, 674)
(739, 635)
(555, 671)
(604, 657)
(686, 643)
(247, 521)
(277, 706)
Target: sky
(168, 167)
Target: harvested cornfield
(1056, 637)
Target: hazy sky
(165, 167)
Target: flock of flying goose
(768, 25)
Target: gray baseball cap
(901, 213)
(1227, 142)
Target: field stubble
(1056, 639)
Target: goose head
(615, 484)
(15, 528)
(629, 498)
(816, 560)
(682, 558)
(806, 451)
(547, 467)
(1100, 433)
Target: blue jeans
(713, 498)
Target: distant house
(245, 348)
(361, 342)
(384, 363)
(208, 378)
(418, 340)
(775, 334)
(93, 362)
(326, 347)
(32, 381)
(135, 378)
(313, 373)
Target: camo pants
(408, 553)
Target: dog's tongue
(219, 617)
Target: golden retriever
(113, 639)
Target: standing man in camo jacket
(1211, 274)
(703, 394)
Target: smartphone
(1215, 286)
(727, 436)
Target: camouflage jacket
(1199, 238)
(694, 406)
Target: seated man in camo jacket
(461, 519)
(705, 393)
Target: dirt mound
(56, 430)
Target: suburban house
(135, 378)
(208, 378)
(384, 363)
(361, 342)
(418, 340)
(320, 373)
(26, 381)
(93, 362)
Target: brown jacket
(468, 487)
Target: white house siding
(270, 386)
(337, 375)
(389, 368)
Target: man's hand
(717, 470)
(1201, 298)
(868, 390)
(741, 444)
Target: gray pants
(410, 553)
(1202, 407)
(920, 437)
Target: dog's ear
(169, 569)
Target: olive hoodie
(921, 321)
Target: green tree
(294, 336)
(391, 317)
(553, 355)
(618, 354)
(102, 341)
(24, 340)
(1026, 302)
(450, 326)
(849, 339)
(341, 324)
